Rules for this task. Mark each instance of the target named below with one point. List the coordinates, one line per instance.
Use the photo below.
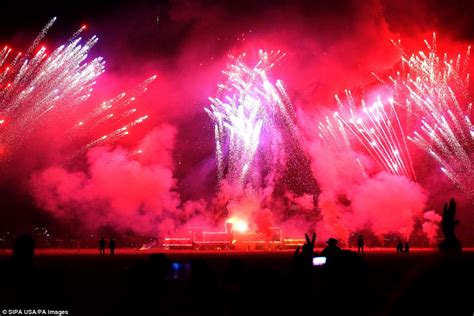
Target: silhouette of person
(360, 245)
(148, 290)
(78, 245)
(20, 274)
(407, 248)
(112, 246)
(331, 249)
(301, 274)
(305, 257)
(102, 246)
(399, 246)
(23, 283)
(449, 222)
(24, 250)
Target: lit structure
(231, 239)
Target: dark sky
(120, 22)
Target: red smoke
(125, 189)
(431, 226)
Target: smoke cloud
(125, 189)
(431, 225)
(355, 196)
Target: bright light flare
(238, 224)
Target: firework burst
(436, 89)
(375, 128)
(37, 87)
(250, 114)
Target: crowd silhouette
(102, 246)
(340, 284)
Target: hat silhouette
(332, 241)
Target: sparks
(376, 128)
(436, 89)
(37, 87)
(248, 117)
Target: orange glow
(238, 224)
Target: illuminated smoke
(119, 188)
(431, 225)
(352, 201)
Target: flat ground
(92, 285)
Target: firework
(37, 87)
(117, 112)
(250, 114)
(376, 128)
(436, 89)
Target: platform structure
(198, 238)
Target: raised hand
(305, 257)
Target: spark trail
(38, 89)
(117, 112)
(375, 128)
(436, 89)
(250, 116)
